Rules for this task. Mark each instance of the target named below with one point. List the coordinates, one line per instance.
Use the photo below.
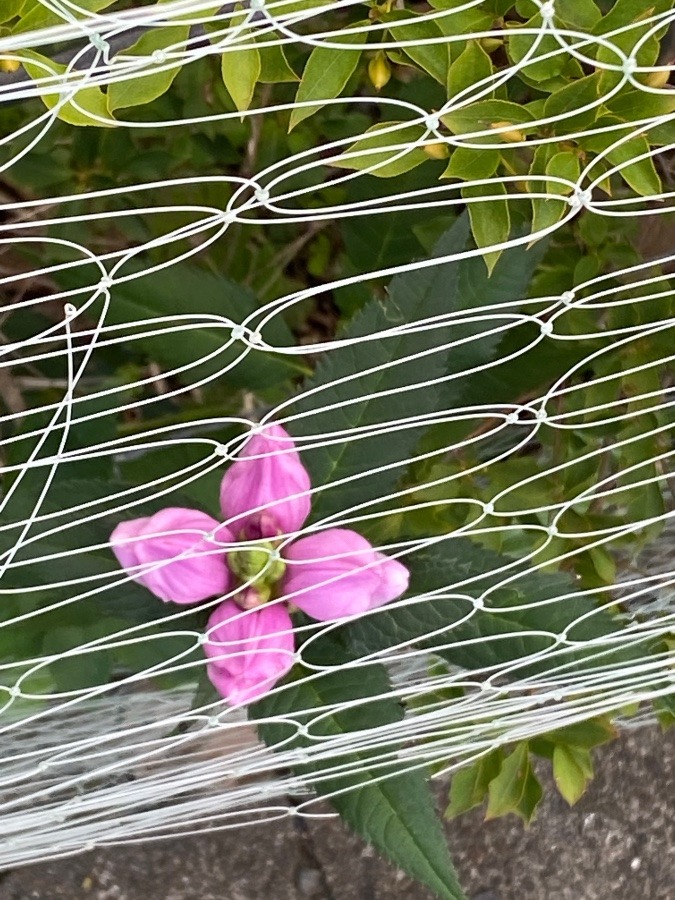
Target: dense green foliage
(375, 384)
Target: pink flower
(266, 492)
(337, 573)
(168, 554)
(264, 495)
(248, 651)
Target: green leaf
(9, 9)
(274, 67)
(490, 219)
(241, 72)
(516, 626)
(172, 292)
(462, 21)
(625, 12)
(641, 176)
(635, 106)
(469, 786)
(366, 397)
(572, 98)
(563, 165)
(101, 613)
(42, 17)
(433, 58)
(570, 771)
(326, 74)
(471, 66)
(394, 157)
(516, 788)
(545, 213)
(485, 115)
(585, 735)
(582, 14)
(374, 242)
(143, 88)
(469, 164)
(520, 44)
(74, 671)
(84, 101)
(395, 813)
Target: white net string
(124, 760)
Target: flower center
(259, 567)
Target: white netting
(132, 757)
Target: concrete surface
(618, 843)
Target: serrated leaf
(326, 74)
(569, 772)
(375, 242)
(515, 627)
(366, 394)
(143, 88)
(205, 346)
(516, 788)
(397, 813)
(387, 150)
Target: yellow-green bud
(490, 44)
(379, 71)
(658, 79)
(439, 150)
(259, 565)
(9, 65)
(510, 134)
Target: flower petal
(249, 651)
(168, 554)
(337, 573)
(257, 491)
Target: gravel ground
(618, 843)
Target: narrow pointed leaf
(395, 813)
(326, 74)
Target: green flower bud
(260, 566)
(379, 71)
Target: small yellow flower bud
(512, 135)
(379, 71)
(658, 79)
(9, 65)
(438, 150)
(490, 44)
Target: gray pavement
(618, 843)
